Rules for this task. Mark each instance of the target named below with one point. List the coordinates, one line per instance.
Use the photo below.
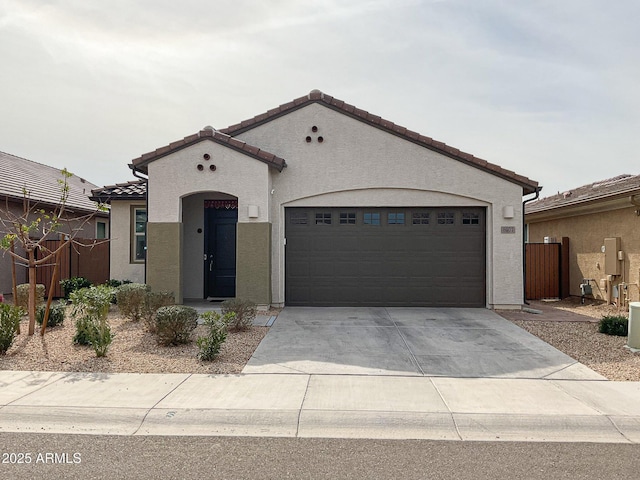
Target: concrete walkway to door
(442, 342)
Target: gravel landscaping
(581, 340)
(133, 350)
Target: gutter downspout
(136, 173)
(524, 246)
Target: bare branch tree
(33, 226)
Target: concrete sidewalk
(299, 405)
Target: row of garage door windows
(393, 218)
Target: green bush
(22, 295)
(211, 344)
(131, 299)
(154, 301)
(56, 314)
(245, 311)
(72, 284)
(115, 284)
(100, 337)
(90, 307)
(85, 331)
(614, 325)
(92, 302)
(94, 332)
(175, 323)
(9, 323)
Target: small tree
(33, 226)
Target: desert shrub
(100, 337)
(175, 323)
(154, 301)
(84, 331)
(93, 302)
(131, 299)
(95, 332)
(72, 284)
(217, 325)
(9, 322)
(614, 325)
(90, 307)
(245, 311)
(56, 314)
(116, 283)
(22, 295)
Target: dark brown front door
(385, 256)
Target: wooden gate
(547, 270)
(87, 260)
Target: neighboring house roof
(134, 190)
(316, 96)
(41, 181)
(613, 192)
(208, 133)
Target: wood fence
(89, 260)
(547, 270)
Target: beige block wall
(586, 237)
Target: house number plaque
(507, 229)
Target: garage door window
(395, 219)
(446, 218)
(470, 219)
(421, 218)
(371, 218)
(323, 218)
(347, 218)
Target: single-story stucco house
(602, 222)
(319, 203)
(41, 183)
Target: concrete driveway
(448, 342)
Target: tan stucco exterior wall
(359, 165)
(253, 280)
(164, 257)
(121, 266)
(586, 234)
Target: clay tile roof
(134, 190)
(316, 96)
(621, 185)
(42, 183)
(209, 134)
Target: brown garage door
(385, 256)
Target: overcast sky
(549, 89)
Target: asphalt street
(89, 457)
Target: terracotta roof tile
(210, 134)
(315, 96)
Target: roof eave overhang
(140, 164)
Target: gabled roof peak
(317, 96)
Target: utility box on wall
(611, 262)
